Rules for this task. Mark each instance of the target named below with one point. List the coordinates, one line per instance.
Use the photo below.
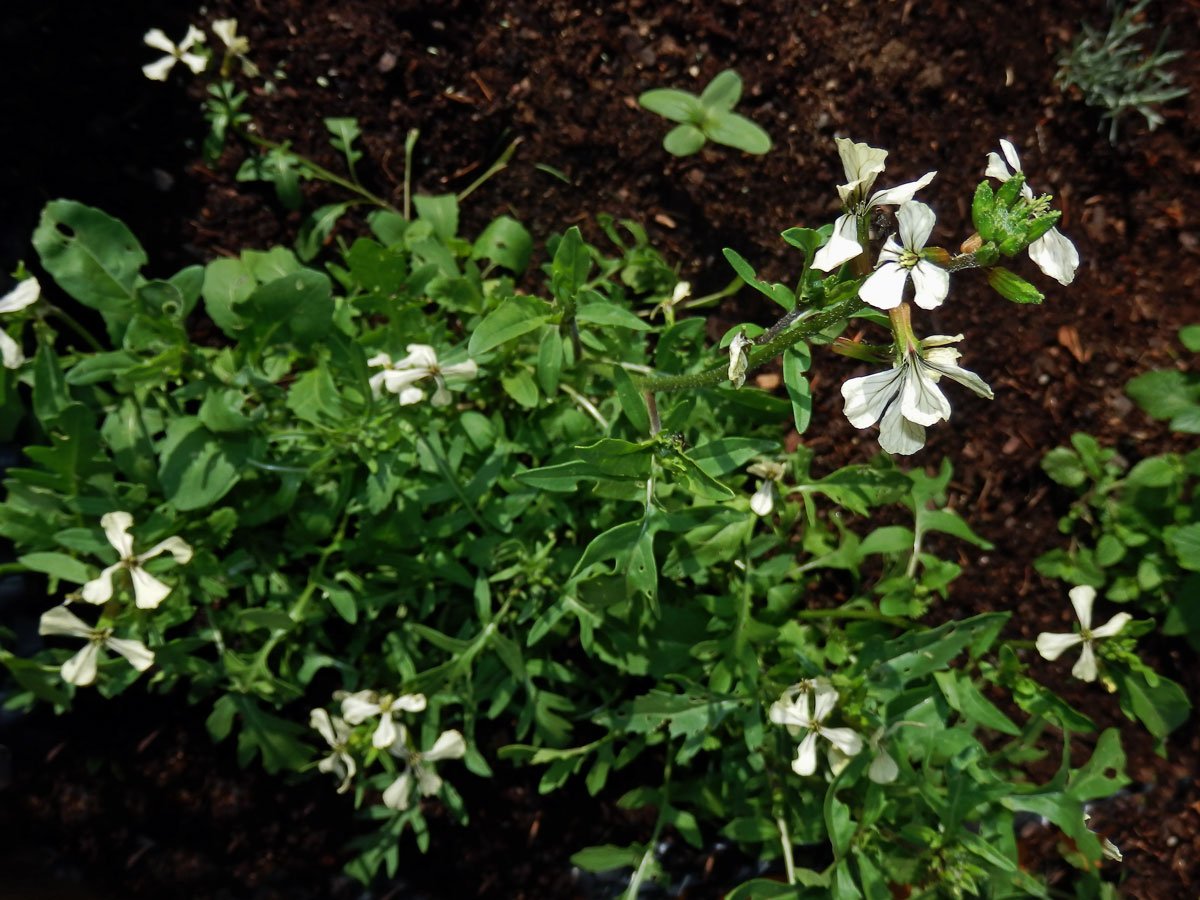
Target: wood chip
(664, 220)
(1069, 338)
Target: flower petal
(898, 435)
(410, 702)
(1085, 667)
(916, 224)
(867, 397)
(901, 193)
(860, 160)
(884, 769)
(428, 781)
(942, 360)
(196, 63)
(763, 500)
(194, 35)
(11, 353)
(921, 400)
(1051, 646)
(139, 655)
(148, 591)
(884, 288)
(397, 794)
(421, 356)
(739, 358)
(1010, 153)
(176, 546)
(805, 762)
(319, 719)
(826, 700)
(843, 245)
(1112, 626)
(80, 669)
(845, 739)
(449, 745)
(1056, 256)
(931, 284)
(24, 294)
(466, 369)
(359, 706)
(996, 167)
(158, 71)
(385, 734)
(411, 395)
(442, 396)
(116, 527)
(60, 620)
(157, 38)
(1082, 597)
(100, 590)
(226, 30)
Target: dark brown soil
(938, 83)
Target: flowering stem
(785, 841)
(635, 882)
(772, 348)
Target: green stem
(635, 883)
(712, 377)
(743, 613)
(869, 615)
(498, 166)
(409, 143)
(70, 322)
(785, 841)
(452, 480)
(320, 171)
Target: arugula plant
(402, 505)
(709, 117)
(1135, 531)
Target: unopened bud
(971, 244)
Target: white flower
(763, 500)
(80, 669)
(359, 706)
(862, 165)
(1107, 847)
(906, 398)
(25, 293)
(337, 734)
(449, 745)
(739, 358)
(792, 709)
(237, 46)
(158, 71)
(1053, 253)
(884, 288)
(1051, 646)
(148, 591)
(399, 377)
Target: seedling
(707, 117)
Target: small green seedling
(707, 117)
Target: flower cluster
(360, 706)
(148, 593)
(236, 47)
(400, 376)
(906, 399)
(24, 294)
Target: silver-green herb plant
(709, 117)
(1113, 70)
(402, 505)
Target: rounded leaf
(738, 132)
(678, 106)
(683, 140)
(723, 92)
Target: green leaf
(50, 394)
(441, 212)
(962, 695)
(887, 539)
(521, 387)
(725, 455)
(316, 228)
(59, 565)
(314, 397)
(603, 857)
(276, 739)
(1063, 465)
(611, 456)
(1164, 394)
(550, 361)
(736, 131)
(221, 411)
(300, 303)
(516, 316)
(506, 243)
(684, 140)
(723, 92)
(751, 829)
(678, 106)
(794, 365)
(92, 256)
(270, 619)
(568, 271)
(633, 405)
(1093, 782)
(1184, 541)
(766, 889)
(1189, 336)
(227, 283)
(777, 292)
(605, 313)
(345, 132)
(195, 470)
(1162, 707)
